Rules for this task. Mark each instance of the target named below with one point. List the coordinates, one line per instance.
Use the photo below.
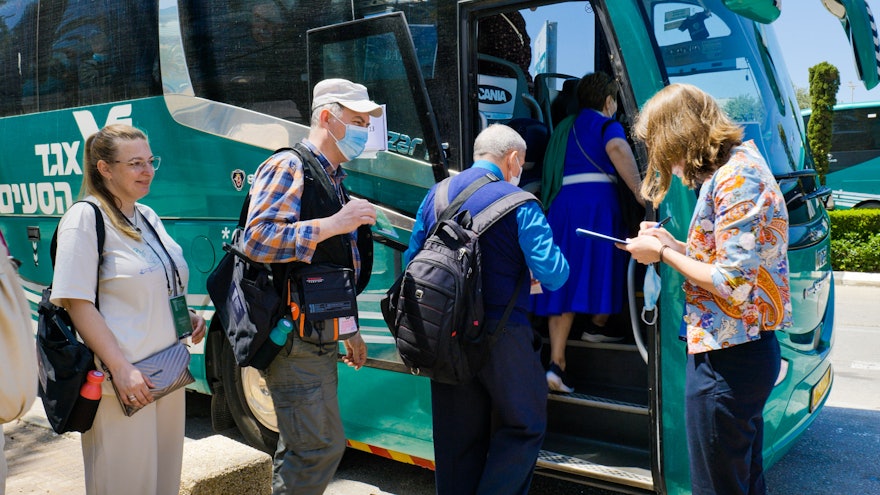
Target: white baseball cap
(348, 94)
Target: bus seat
(536, 135)
(565, 103)
(504, 97)
(546, 93)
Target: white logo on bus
(57, 159)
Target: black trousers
(726, 391)
(488, 432)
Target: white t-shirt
(133, 296)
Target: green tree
(824, 82)
(803, 97)
(744, 108)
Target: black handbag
(63, 360)
(324, 303)
(246, 301)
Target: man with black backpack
(488, 431)
(301, 219)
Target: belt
(588, 177)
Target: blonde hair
(104, 145)
(682, 123)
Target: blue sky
(809, 34)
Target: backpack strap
(499, 208)
(441, 196)
(99, 230)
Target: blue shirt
(542, 256)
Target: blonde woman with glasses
(122, 308)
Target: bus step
(577, 468)
(599, 403)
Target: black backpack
(435, 308)
(62, 359)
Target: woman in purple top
(597, 155)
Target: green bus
(854, 161)
(218, 85)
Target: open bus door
(858, 23)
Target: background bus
(218, 85)
(854, 161)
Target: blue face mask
(353, 143)
(651, 291)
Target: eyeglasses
(141, 165)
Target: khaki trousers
(141, 454)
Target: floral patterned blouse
(740, 226)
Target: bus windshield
(704, 44)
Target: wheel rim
(258, 399)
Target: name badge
(180, 314)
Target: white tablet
(590, 233)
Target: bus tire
(249, 403)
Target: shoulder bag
(631, 212)
(63, 360)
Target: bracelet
(663, 248)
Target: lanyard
(164, 249)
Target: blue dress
(598, 269)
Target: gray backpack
(435, 309)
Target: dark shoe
(556, 379)
(596, 334)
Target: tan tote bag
(18, 375)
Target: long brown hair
(682, 123)
(103, 145)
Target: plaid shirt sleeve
(273, 232)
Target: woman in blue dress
(591, 152)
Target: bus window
(79, 53)
(378, 53)
(854, 161)
(252, 54)
(704, 44)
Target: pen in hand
(662, 222)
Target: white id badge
(180, 315)
(347, 326)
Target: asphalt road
(839, 454)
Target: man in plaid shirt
(289, 222)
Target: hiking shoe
(596, 336)
(556, 379)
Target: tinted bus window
(253, 54)
(77, 53)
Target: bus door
(520, 64)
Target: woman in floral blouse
(736, 290)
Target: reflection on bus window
(253, 54)
(78, 53)
(699, 47)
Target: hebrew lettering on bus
(49, 198)
(59, 158)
